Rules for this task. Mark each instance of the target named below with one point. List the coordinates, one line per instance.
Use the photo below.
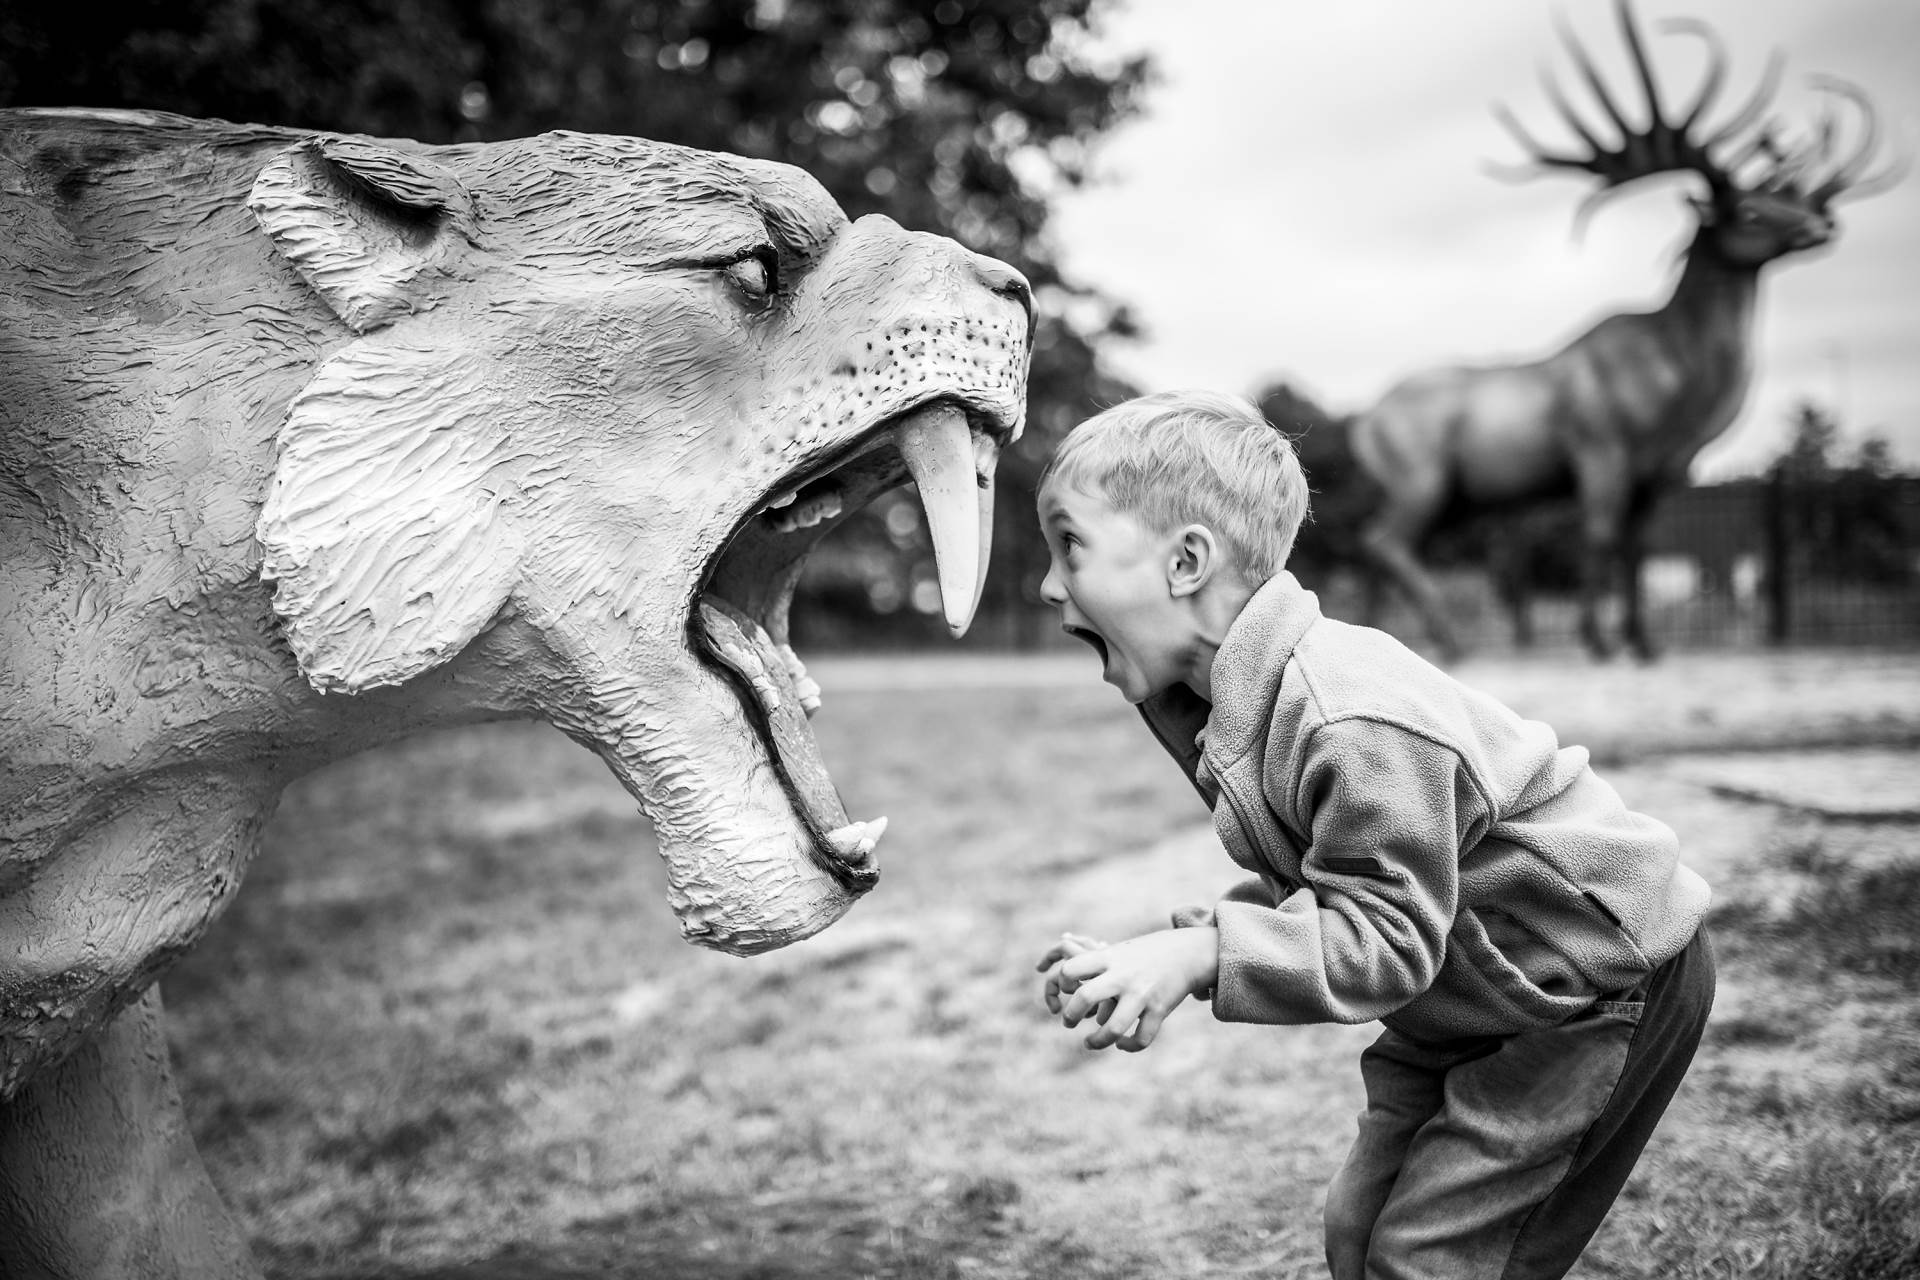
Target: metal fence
(1830, 560)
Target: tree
(1815, 438)
(1341, 496)
(1874, 456)
(966, 119)
(1841, 517)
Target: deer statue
(1613, 419)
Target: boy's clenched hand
(1128, 987)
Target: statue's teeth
(857, 839)
(804, 687)
(955, 484)
(787, 516)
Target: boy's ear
(1194, 561)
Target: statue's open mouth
(741, 621)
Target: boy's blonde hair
(1193, 457)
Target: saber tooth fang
(938, 449)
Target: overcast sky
(1306, 197)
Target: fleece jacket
(1422, 855)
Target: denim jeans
(1499, 1157)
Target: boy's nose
(1050, 589)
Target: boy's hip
(1471, 1006)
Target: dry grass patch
(1795, 1149)
(449, 1030)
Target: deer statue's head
(1767, 195)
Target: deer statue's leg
(1601, 476)
(1510, 562)
(1633, 625)
(1598, 559)
(1389, 541)
(99, 1176)
(1520, 612)
(1373, 591)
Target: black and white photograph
(960, 640)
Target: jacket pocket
(1627, 1011)
(1354, 864)
(1479, 992)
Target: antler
(1849, 177)
(1662, 146)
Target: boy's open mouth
(1091, 637)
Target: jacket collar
(1246, 676)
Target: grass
(1806, 1099)
(448, 1030)
(1864, 921)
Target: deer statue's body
(1614, 418)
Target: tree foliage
(1341, 495)
(966, 119)
(1816, 447)
(1843, 517)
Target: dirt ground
(448, 1029)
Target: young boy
(1420, 855)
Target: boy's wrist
(1204, 944)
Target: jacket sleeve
(1252, 889)
(1387, 811)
